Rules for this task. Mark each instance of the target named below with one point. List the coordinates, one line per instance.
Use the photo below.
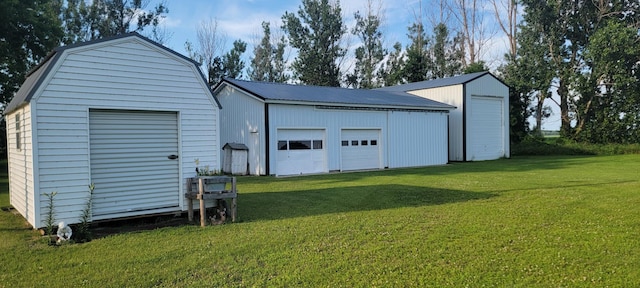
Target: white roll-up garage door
(360, 149)
(487, 128)
(134, 163)
(301, 151)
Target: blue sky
(241, 19)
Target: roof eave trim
(224, 82)
(53, 57)
(346, 105)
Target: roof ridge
(282, 83)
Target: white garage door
(360, 149)
(301, 151)
(131, 163)
(487, 128)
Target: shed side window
(18, 128)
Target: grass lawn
(521, 222)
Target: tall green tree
(103, 18)
(391, 71)
(232, 61)
(530, 73)
(371, 53)
(609, 107)
(562, 29)
(315, 32)
(447, 53)
(418, 62)
(268, 62)
(29, 30)
(228, 65)
(478, 66)
(519, 97)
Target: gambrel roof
(333, 96)
(36, 76)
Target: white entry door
(360, 149)
(301, 151)
(134, 163)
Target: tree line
(586, 53)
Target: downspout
(386, 133)
(464, 122)
(448, 137)
(267, 140)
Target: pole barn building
(124, 113)
(296, 129)
(479, 126)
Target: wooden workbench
(203, 188)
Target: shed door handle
(172, 157)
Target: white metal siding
(332, 121)
(451, 95)
(242, 117)
(417, 139)
(20, 166)
(361, 149)
(126, 73)
(129, 162)
(408, 138)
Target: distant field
(539, 221)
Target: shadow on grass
(290, 204)
(516, 164)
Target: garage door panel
(360, 149)
(129, 160)
(487, 128)
(301, 151)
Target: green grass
(556, 145)
(521, 222)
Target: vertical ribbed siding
(452, 95)
(242, 117)
(417, 139)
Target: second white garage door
(487, 128)
(360, 149)
(301, 151)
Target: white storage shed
(479, 126)
(296, 129)
(124, 113)
(235, 158)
